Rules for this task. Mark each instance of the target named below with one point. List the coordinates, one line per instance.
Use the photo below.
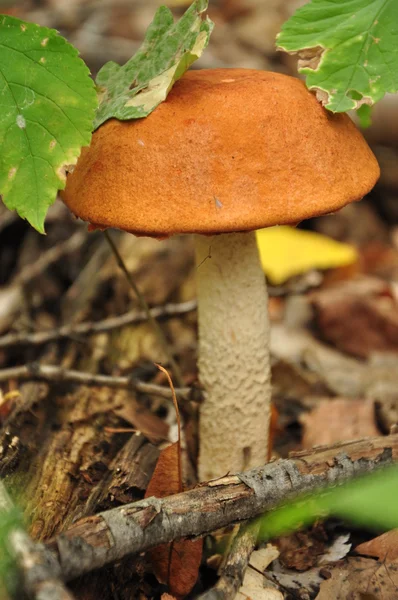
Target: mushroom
(228, 152)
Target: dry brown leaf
(361, 579)
(359, 316)
(384, 547)
(166, 479)
(176, 564)
(301, 550)
(336, 420)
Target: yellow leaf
(286, 251)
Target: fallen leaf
(384, 547)
(359, 316)
(256, 587)
(301, 550)
(362, 579)
(166, 478)
(176, 564)
(286, 252)
(338, 419)
(262, 558)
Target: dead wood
(109, 536)
(39, 572)
(234, 566)
(28, 338)
(128, 477)
(55, 374)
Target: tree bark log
(109, 536)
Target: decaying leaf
(176, 564)
(347, 50)
(135, 89)
(359, 316)
(361, 578)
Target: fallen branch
(54, 374)
(96, 541)
(11, 296)
(235, 563)
(40, 573)
(89, 328)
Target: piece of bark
(107, 537)
(333, 420)
(73, 451)
(128, 475)
(235, 563)
(22, 429)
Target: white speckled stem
(233, 354)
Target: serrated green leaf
(48, 104)
(348, 49)
(369, 501)
(135, 89)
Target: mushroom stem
(234, 364)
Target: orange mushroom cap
(229, 150)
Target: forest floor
(70, 449)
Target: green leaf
(135, 89)
(48, 104)
(348, 49)
(369, 501)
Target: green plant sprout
(367, 501)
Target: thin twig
(235, 563)
(54, 374)
(144, 305)
(39, 570)
(106, 537)
(49, 257)
(89, 328)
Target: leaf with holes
(135, 89)
(48, 104)
(348, 50)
